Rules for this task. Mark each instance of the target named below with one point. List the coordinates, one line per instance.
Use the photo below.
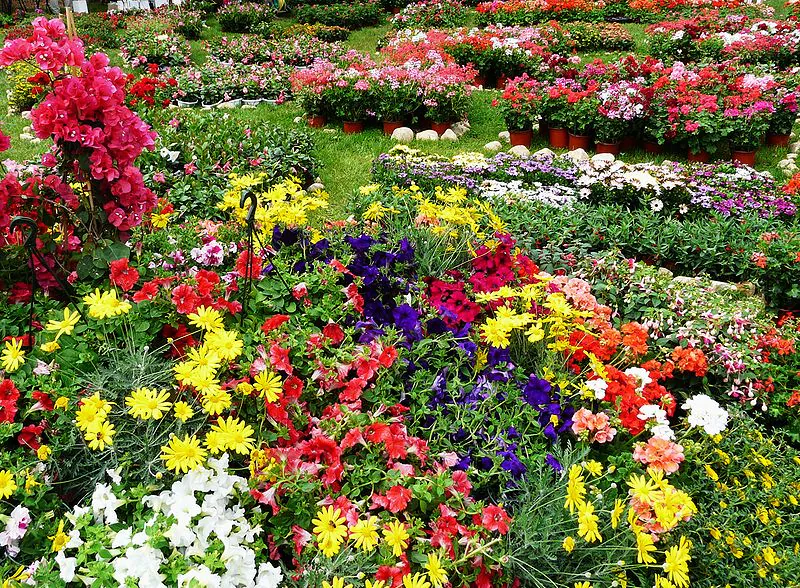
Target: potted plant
(518, 106)
(582, 107)
(748, 126)
(351, 98)
(445, 95)
(782, 120)
(621, 106)
(395, 95)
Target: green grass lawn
(346, 159)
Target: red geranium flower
(494, 518)
(9, 394)
(122, 275)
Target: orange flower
(634, 338)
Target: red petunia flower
(122, 274)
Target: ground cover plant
(253, 350)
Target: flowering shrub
(348, 16)
(244, 17)
(97, 138)
(189, 23)
(429, 14)
(143, 47)
(297, 51)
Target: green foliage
(348, 16)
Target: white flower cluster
(199, 510)
(514, 191)
(706, 412)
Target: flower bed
(711, 36)
(529, 12)
(243, 17)
(300, 51)
(431, 14)
(357, 89)
(348, 16)
(143, 47)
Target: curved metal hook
(251, 213)
(30, 240)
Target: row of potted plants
(216, 81)
(299, 50)
(699, 109)
(711, 35)
(527, 12)
(430, 14)
(357, 89)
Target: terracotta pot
(745, 157)
(778, 140)
(394, 10)
(390, 127)
(521, 138)
(480, 81)
(353, 127)
(501, 82)
(578, 142)
(440, 128)
(613, 148)
(652, 147)
(701, 157)
(628, 143)
(316, 122)
(559, 138)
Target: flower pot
(186, 103)
(251, 102)
(652, 147)
(209, 106)
(235, 103)
(394, 10)
(701, 157)
(544, 130)
(353, 127)
(316, 121)
(501, 82)
(628, 143)
(745, 157)
(559, 138)
(390, 127)
(440, 128)
(778, 140)
(578, 142)
(521, 138)
(480, 81)
(613, 148)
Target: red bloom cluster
(9, 395)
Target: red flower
(185, 299)
(248, 265)
(279, 358)
(274, 322)
(29, 436)
(148, 291)
(494, 518)
(43, 400)
(122, 275)
(398, 498)
(292, 388)
(206, 280)
(333, 332)
(9, 394)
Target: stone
(298, 120)
(504, 136)
(578, 155)
(316, 187)
(330, 131)
(520, 151)
(228, 105)
(449, 135)
(794, 147)
(493, 146)
(460, 129)
(784, 163)
(544, 153)
(603, 157)
(403, 135)
(429, 135)
(791, 156)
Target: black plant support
(29, 243)
(250, 220)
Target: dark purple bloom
(553, 463)
(537, 391)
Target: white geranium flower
(706, 412)
(641, 375)
(663, 432)
(599, 387)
